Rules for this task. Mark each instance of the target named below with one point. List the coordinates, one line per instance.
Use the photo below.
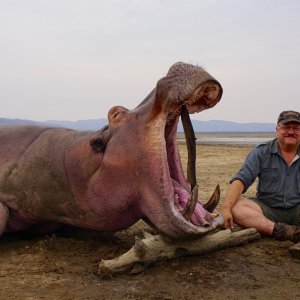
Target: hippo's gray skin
(110, 179)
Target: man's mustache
(290, 135)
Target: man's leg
(248, 214)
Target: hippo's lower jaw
(200, 221)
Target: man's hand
(232, 196)
(227, 216)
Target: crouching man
(275, 211)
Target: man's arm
(233, 194)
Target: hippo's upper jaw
(186, 89)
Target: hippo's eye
(98, 145)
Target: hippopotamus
(109, 179)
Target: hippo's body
(47, 175)
(110, 179)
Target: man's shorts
(289, 216)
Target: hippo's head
(140, 158)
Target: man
(275, 211)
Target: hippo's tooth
(214, 215)
(211, 204)
(191, 204)
(191, 146)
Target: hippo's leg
(4, 214)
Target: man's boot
(285, 232)
(295, 250)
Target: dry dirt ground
(64, 265)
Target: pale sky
(75, 59)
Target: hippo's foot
(158, 247)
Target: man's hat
(289, 116)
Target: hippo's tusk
(191, 166)
(191, 146)
(191, 204)
(211, 204)
(191, 170)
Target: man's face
(289, 133)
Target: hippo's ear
(98, 144)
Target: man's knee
(244, 209)
(245, 204)
(239, 209)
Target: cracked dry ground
(64, 265)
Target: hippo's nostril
(211, 91)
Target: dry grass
(217, 164)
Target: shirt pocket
(269, 180)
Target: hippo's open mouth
(192, 216)
(186, 197)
